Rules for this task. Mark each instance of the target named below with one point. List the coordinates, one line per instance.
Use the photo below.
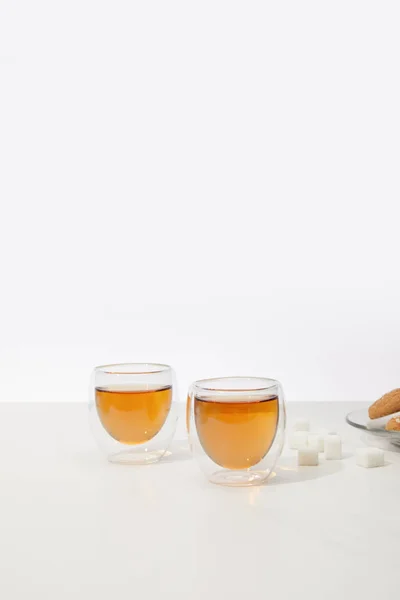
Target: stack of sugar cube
(309, 445)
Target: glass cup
(133, 411)
(236, 428)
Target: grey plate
(361, 420)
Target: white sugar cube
(298, 439)
(301, 425)
(370, 457)
(333, 447)
(307, 457)
(316, 441)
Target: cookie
(387, 405)
(393, 424)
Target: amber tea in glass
(236, 427)
(133, 411)
(133, 416)
(236, 434)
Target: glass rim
(203, 384)
(134, 368)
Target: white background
(212, 184)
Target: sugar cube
(298, 439)
(307, 457)
(301, 425)
(333, 447)
(370, 457)
(316, 441)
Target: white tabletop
(73, 526)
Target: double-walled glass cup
(133, 411)
(236, 428)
